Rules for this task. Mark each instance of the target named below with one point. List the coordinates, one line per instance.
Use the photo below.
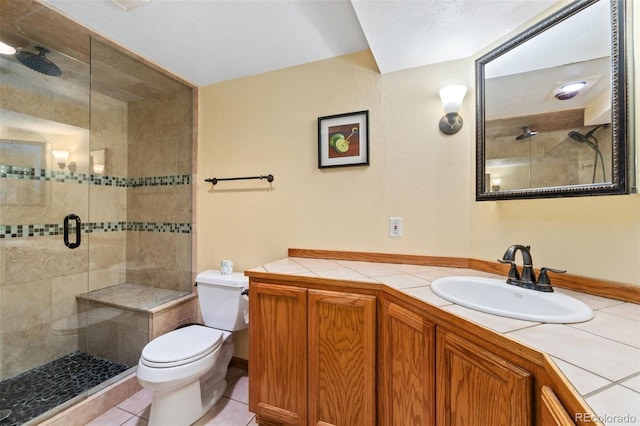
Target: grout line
(593, 333)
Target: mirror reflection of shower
(592, 142)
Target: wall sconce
(495, 184)
(61, 158)
(10, 42)
(98, 161)
(451, 96)
(6, 49)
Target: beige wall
(267, 124)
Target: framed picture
(343, 140)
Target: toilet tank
(221, 301)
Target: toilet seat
(181, 346)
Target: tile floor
(231, 410)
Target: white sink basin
(495, 296)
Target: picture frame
(343, 140)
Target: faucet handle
(544, 283)
(514, 275)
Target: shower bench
(121, 319)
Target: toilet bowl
(185, 369)
(178, 367)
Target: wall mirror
(551, 108)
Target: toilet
(186, 368)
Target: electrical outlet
(395, 227)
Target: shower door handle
(75, 218)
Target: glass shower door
(44, 205)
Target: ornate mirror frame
(619, 182)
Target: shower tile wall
(160, 145)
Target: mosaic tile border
(46, 230)
(30, 173)
(159, 181)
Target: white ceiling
(209, 41)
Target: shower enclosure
(546, 150)
(95, 210)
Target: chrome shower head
(526, 133)
(38, 62)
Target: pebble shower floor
(38, 390)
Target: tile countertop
(600, 357)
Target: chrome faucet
(528, 277)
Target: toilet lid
(181, 346)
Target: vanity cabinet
(345, 354)
(552, 412)
(312, 356)
(478, 387)
(406, 372)
(278, 353)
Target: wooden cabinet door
(278, 354)
(342, 342)
(406, 374)
(477, 387)
(552, 412)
